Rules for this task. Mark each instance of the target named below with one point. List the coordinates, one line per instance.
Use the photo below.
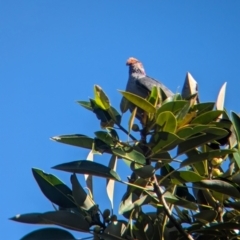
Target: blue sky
(53, 52)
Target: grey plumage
(139, 83)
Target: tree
(193, 198)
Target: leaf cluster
(184, 157)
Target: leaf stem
(125, 131)
(167, 210)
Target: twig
(167, 210)
(125, 131)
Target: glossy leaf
(164, 141)
(186, 132)
(33, 218)
(114, 115)
(78, 140)
(221, 226)
(197, 141)
(206, 155)
(143, 171)
(131, 202)
(236, 124)
(179, 202)
(163, 156)
(110, 183)
(88, 167)
(124, 105)
(85, 104)
(235, 205)
(105, 137)
(167, 122)
(108, 236)
(81, 198)
(201, 108)
(131, 155)
(186, 176)
(101, 98)
(49, 233)
(131, 120)
(115, 230)
(88, 178)
(221, 187)
(183, 113)
(67, 219)
(206, 216)
(154, 96)
(54, 189)
(207, 117)
(173, 106)
(139, 102)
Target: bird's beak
(128, 63)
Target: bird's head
(135, 66)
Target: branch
(125, 131)
(168, 212)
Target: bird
(140, 84)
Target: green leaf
(167, 121)
(164, 141)
(236, 125)
(199, 167)
(220, 226)
(85, 104)
(129, 203)
(163, 156)
(109, 182)
(186, 176)
(114, 115)
(235, 205)
(105, 137)
(114, 231)
(33, 218)
(203, 107)
(186, 132)
(78, 140)
(197, 141)
(67, 219)
(139, 102)
(206, 155)
(182, 114)
(81, 198)
(108, 236)
(179, 202)
(221, 187)
(173, 106)
(236, 156)
(131, 120)
(206, 216)
(130, 155)
(89, 178)
(207, 117)
(88, 167)
(143, 171)
(124, 105)
(154, 96)
(49, 233)
(54, 189)
(101, 98)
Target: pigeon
(140, 84)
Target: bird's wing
(147, 83)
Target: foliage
(177, 168)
